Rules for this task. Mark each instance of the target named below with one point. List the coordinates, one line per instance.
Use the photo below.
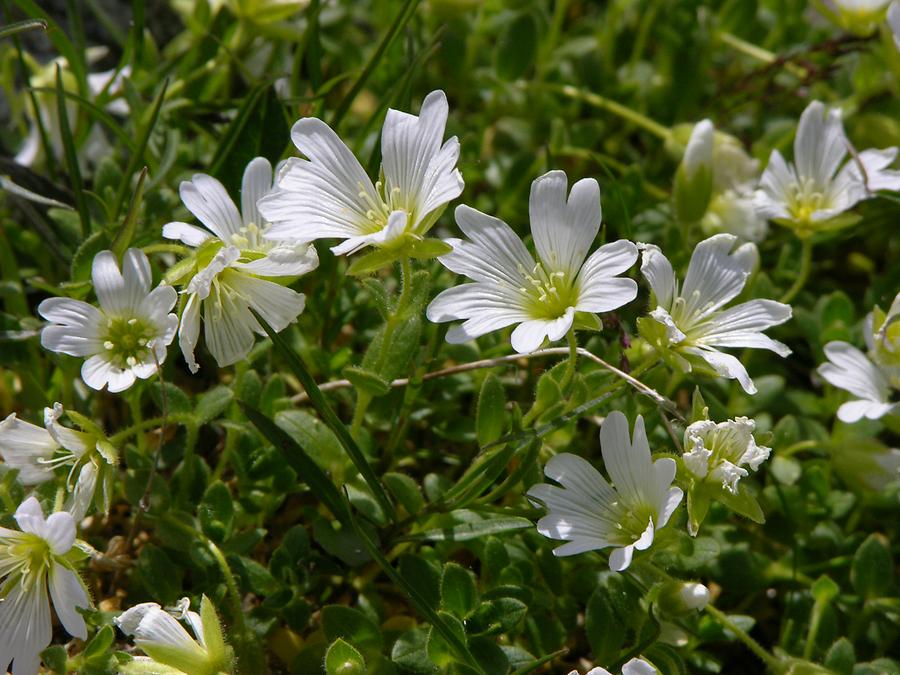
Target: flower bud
(860, 18)
(693, 180)
(683, 597)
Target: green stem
(137, 415)
(144, 425)
(571, 363)
(805, 267)
(758, 53)
(615, 108)
(772, 662)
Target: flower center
(379, 209)
(28, 555)
(251, 238)
(551, 294)
(805, 199)
(127, 341)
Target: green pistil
(551, 294)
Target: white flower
(632, 667)
(851, 370)
(32, 562)
(735, 213)
(699, 152)
(545, 298)
(812, 192)
(329, 195)
(127, 337)
(590, 513)
(232, 255)
(160, 635)
(690, 320)
(893, 18)
(861, 16)
(721, 451)
(37, 451)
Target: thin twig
(658, 398)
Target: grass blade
(307, 470)
(58, 37)
(22, 26)
(330, 418)
(126, 232)
(138, 157)
(71, 157)
(403, 17)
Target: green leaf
(343, 659)
(490, 416)
(841, 657)
(55, 658)
(301, 462)
(211, 404)
(216, 512)
(458, 592)
(373, 261)
(824, 590)
(315, 438)
(500, 615)
(161, 576)
(410, 652)
(125, 234)
(406, 491)
(516, 48)
(464, 525)
(426, 249)
(604, 628)
(872, 569)
(440, 651)
(743, 503)
(367, 380)
(99, 644)
(353, 626)
(260, 129)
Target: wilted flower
(228, 274)
(37, 451)
(159, 634)
(545, 298)
(328, 195)
(851, 370)
(688, 323)
(33, 562)
(812, 193)
(127, 337)
(632, 667)
(590, 513)
(720, 452)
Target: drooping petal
(326, 195)
(397, 225)
(725, 365)
(529, 335)
(283, 261)
(23, 446)
(81, 497)
(189, 235)
(59, 532)
(658, 272)
(278, 305)
(67, 593)
(854, 411)
(255, 184)
(564, 228)
(208, 200)
(228, 327)
(189, 331)
(620, 558)
(851, 370)
(741, 326)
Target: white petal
(25, 628)
(820, 145)
(22, 444)
(255, 184)
(620, 558)
(775, 188)
(76, 442)
(137, 275)
(319, 197)
(599, 289)
(851, 370)
(415, 165)
(699, 151)
(109, 284)
(397, 226)
(82, 496)
(278, 305)
(529, 335)
(716, 275)
(283, 261)
(190, 235)
(726, 366)
(495, 253)
(893, 17)
(564, 229)
(637, 666)
(78, 329)
(129, 620)
(59, 532)
(628, 464)
(877, 175)
(657, 270)
(853, 411)
(69, 312)
(189, 331)
(485, 307)
(67, 593)
(207, 199)
(670, 503)
(228, 327)
(97, 372)
(202, 282)
(740, 326)
(30, 517)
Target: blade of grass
(307, 470)
(137, 157)
(96, 112)
(403, 17)
(22, 26)
(71, 157)
(58, 37)
(320, 403)
(420, 604)
(126, 232)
